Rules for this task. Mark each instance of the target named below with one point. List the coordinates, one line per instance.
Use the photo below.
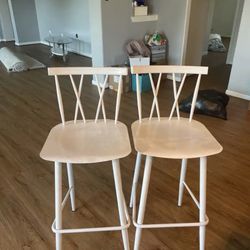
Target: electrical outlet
(76, 35)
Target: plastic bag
(209, 102)
(137, 48)
(155, 39)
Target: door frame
(236, 26)
(185, 32)
(235, 31)
(13, 22)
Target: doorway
(223, 23)
(212, 16)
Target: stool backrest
(173, 71)
(100, 76)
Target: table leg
(64, 55)
(50, 54)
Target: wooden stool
(87, 141)
(173, 138)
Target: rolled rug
(11, 61)
(19, 66)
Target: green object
(144, 81)
(157, 37)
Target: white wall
(224, 17)
(171, 21)
(235, 31)
(25, 21)
(239, 83)
(95, 17)
(68, 17)
(5, 19)
(1, 31)
(118, 30)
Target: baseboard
(44, 43)
(95, 83)
(80, 53)
(237, 94)
(230, 62)
(178, 77)
(6, 40)
(71, 50)
(204, 53)
(27, 43)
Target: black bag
(209, 102)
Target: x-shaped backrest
(171, 71)
(98, 74)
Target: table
(59, 45)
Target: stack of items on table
(139, 55)
(157, 44)
(140, 52)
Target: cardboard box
(140, 10)
(113, 82)
(139, 60)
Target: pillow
(209, 102)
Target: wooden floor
(28, 110)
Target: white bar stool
(173, 138)
(87, 141)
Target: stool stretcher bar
(66, 197)
(89, 230)
(169, 225)
(191, 194)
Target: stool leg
(120, 201)
(71, 185)
(182, 179)
(203, 180)
(136, 177)
(143, 199)
(58, 203)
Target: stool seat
(87, 142)
(174, 139)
